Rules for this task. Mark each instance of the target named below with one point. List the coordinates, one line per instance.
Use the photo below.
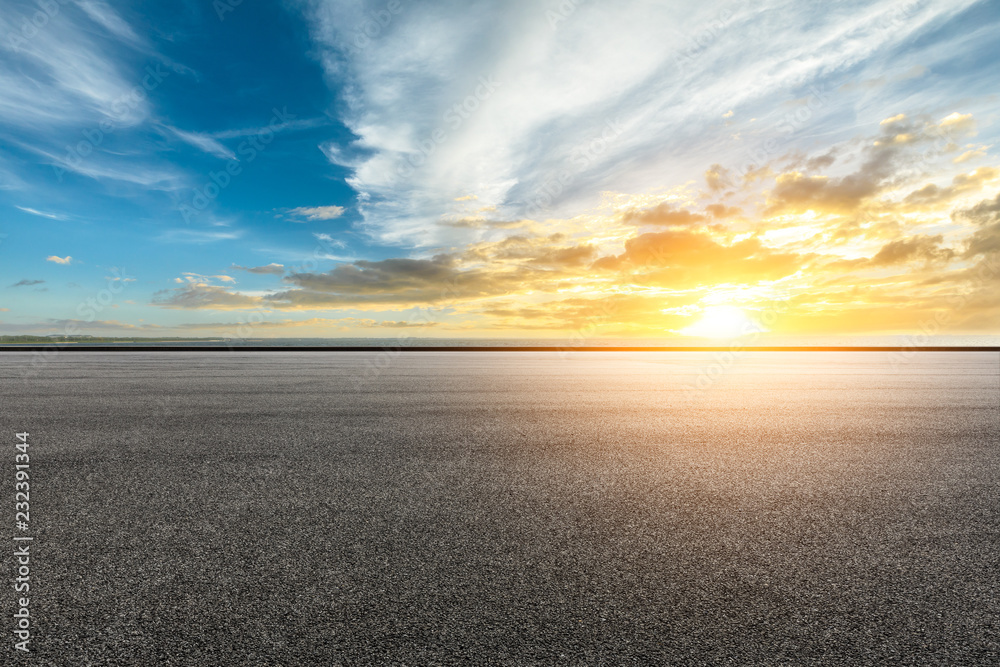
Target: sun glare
(722, 322)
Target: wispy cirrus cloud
(44, 214)
(73, 83)
(198, 236)
(103, 14)
(204, 143)
(64, 73)
(501, 102)
(286, 126)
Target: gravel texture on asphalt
(286, 508)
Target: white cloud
(205, 143)
(336, 155)
(53, 216)
(553, 112)
(101, 13)
(194, 236)
(201, 279)
(286, 126)
(330, 241)
(318, 212)
(59, 260)
(76, 75)
(103, 167)
(62, 74)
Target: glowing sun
(722, 322)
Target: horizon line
(75, 347)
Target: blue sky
(494, 168)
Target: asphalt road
(508, 508)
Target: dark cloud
(270, 269)
(579, 255)
(820, 162)
(796, 193)
(27, 283)
(720, 212)
(401, 281)
(920, 247)
(481, 223)
(984, 212)
(718, 178)
(985, 241)
(513, 265)
(199, 295)
(932, 194)
(663, 215)
(375, 277)
(550, 251)
(464, 223)
(986, 216)
(802, 162)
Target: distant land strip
(73, 347)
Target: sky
(544, 168)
